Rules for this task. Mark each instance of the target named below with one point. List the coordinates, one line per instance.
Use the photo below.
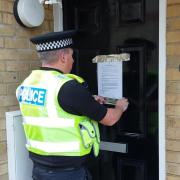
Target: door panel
(116, 26)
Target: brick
(6, 6)
(173, 24)
(173, 157)
(173, 133)
(32, 46)
(13, 108)
(17, 57)
(12, 54)
(2, 125)
(169, 123)
(173, 37)
(173, 110)
(9, 100)
(173, 74)
(46, 25)
(8, 54)
(2, 66)
(7, 30)
(8, 18)
(3, 168)
(46, 6)
(11, 88)
(1, 18)
(173, 49)
(173, 121)
(51, 25)
(27, 55)
(173, 11)
(173, 61)
(48, 15)
(23, 75)
(9, 77)
(1, 42)
(17, 66)
(170, 177)
(3, 89)
(3, 111)
(173, 87)
(2, 135)
(173, 2)
(4, 177)
(173, 168)
(16, 43)
(173, 99)
(50, 8)
(3, 162)
(25, 33)
(35, 65)
(3, 151)
(172, 145)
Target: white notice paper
(110, 79)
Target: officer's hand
(122, 104)
(100, 99)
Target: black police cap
(54, 40)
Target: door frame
(58, 25)
(162, 88)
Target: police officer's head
(55, 49)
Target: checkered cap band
(54, 45)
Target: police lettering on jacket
(31, 95)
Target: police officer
(60, 116)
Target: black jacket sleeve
(74, 98)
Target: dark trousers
(40, 173)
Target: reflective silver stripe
(49, 122)
(114, 147)
(50, 106)
(53, 147)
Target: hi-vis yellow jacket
(49, 129)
